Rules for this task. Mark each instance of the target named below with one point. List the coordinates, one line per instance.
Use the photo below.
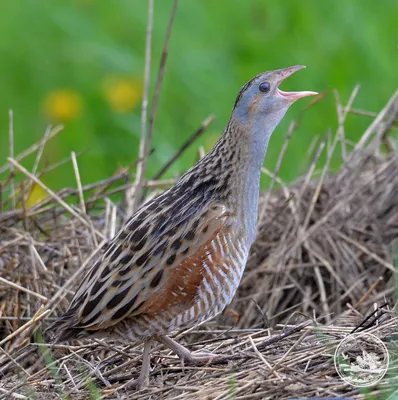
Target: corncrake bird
(179, 259)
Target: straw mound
(323, 244)
(323, 251)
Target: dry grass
(321, 263)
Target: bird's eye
(264, 87)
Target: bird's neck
(236, 161)
(251, 148)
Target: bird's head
(261, 102)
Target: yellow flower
(63, 105)
(122, 93)
(36, 195)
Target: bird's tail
(64, 329)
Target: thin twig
(262, 358)
(390, 108)
(159, 80)
(41, 149)
(133, 196)
(11, 151)
(205, 124)
(79, 183)
(23, 289)
(342, 115)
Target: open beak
(293, 96)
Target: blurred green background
(81, 62)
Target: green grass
(215, 47)
(232, 385)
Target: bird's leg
(184, 354)
(143, 380)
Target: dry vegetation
(322, 267)
(321, 264)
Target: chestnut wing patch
(181, 289)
